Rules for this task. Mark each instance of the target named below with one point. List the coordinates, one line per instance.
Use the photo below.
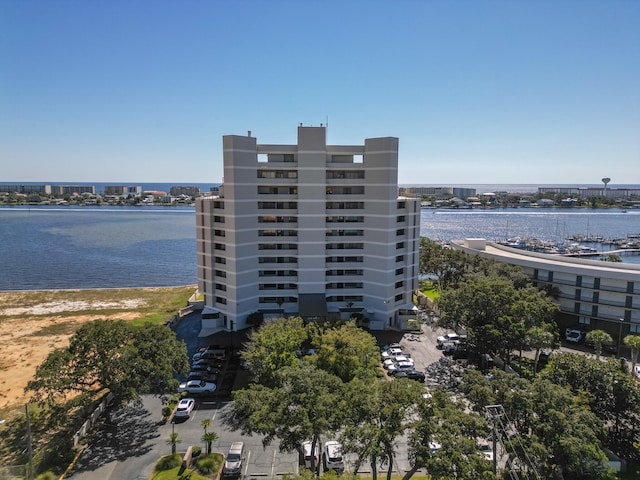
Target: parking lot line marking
(246, 465)
(273, 463)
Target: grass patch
(157, 305)
(170, 468)
(62, 328)
(210, 463)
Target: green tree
(345, 351)
(446, 264)
(209, 438)
(377, 413)
(274, 346)
(598, 338)
(540, 338)
(633, 342)
(302, 404)
(439, 420)
(612, 257)
(206, 423)
(111, 354)
(173, 440)
(560, 435)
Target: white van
(332, 456)
(233, 462)
(306, 451)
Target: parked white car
(197, 387)
(332, 456)
(637, 371)
(575, 335)
(306, 452)
(185, 407)
(485, 448)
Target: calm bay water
(111, 247)
(105, 247)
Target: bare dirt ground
(32, 324)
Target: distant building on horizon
(310, 229)
(72, 189)
(592, 191)
(135, 190)
(191, 191)
(463, 192)
(25, 189)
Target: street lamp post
(620, 335)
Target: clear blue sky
(477, 91)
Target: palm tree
(174, 439)
(209, 438)
(540, 339)
(598, 338)
(206, 423)
(633, 342)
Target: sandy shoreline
(34, 322)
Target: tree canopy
(275, 345)
(112, 354)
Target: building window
(400, 284)
(594, 310)
(399, 245)
(596, 283)
(596, 297)
(399, 258)
(220, 233)
(550, 277)
(399, 271)
(221, 300)
(221, 287)
(401, 218)
(277, 174)
(218, 219)
(345, 246)
(345, 219)
(576, 308)
(399, 297)
(220, 246)
(221, 260)
(628, 303)
(535, 274)
(402, 204)
(578, 294)
(629, 287)
(579, 281)
(221, 274)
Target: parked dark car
(410, 374)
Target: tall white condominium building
(311, 229)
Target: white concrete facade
(310, 229)
(602, 295)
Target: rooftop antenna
(605, 180)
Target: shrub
(48, 475)
(209, 464)
(166, 411)
(196, 451)
(169, 462)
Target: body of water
(96, 247)
(112, 247)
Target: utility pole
(29, 444)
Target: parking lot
(268, 461)
(131, 447)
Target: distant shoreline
(96, 288)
